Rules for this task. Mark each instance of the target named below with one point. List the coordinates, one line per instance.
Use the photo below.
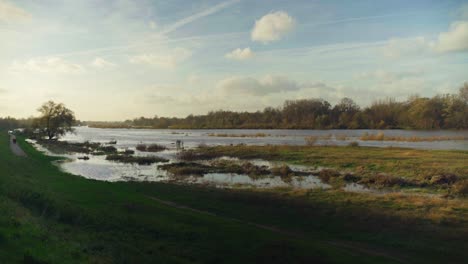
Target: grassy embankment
(55, 217)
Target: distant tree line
(448, 111)
(12, 123)
(54, 121)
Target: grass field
(409, 163)
(49, 216)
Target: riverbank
(57, 217)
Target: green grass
(54, 217)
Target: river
(97, 167)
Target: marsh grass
(148, 160)
(256, 135)
(461, 188)
(381, 137)
(382, 166)
(61, 147)
(150, 148)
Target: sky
(121, 59)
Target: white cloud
(168, 60)
(251, 86)
(11, 13)
(455, 39)
(383, 76)
(240, 54)
(153, 25)
(101, 63)
(194, 79)
(46, 65)
(272, 27)
(398, 47)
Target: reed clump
(150, 148)
(148, 160)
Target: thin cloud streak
(199, 15)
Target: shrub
(446, 178)
(141, 147)
(326, 174)
(128, 152)
(461, 188)
(107, 149)
(282, 170)
(155, 148)
(348, 177)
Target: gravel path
(15, 148)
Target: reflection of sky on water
(97, 167)
(192, 138)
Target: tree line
(447, 111)
(55, 120)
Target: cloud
(194, 79)
(240, 54)
(153, 25)
(10, 13)
(398, 47)
(272, 27)
(194, 17)
(463, 12)
(101, 63)
(383, 76)
(455, 39)
(46, 65)
(251, 86)
(167, 61)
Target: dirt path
(361, 248)
(15, 148)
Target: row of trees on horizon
(448, 111)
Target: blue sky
(118, 59)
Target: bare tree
(464, 92)
(55, 120)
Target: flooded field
(192, 138)
(97, 167)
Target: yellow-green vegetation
(238, 135)
(49, 216)
(379, 166)
(382, 137)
